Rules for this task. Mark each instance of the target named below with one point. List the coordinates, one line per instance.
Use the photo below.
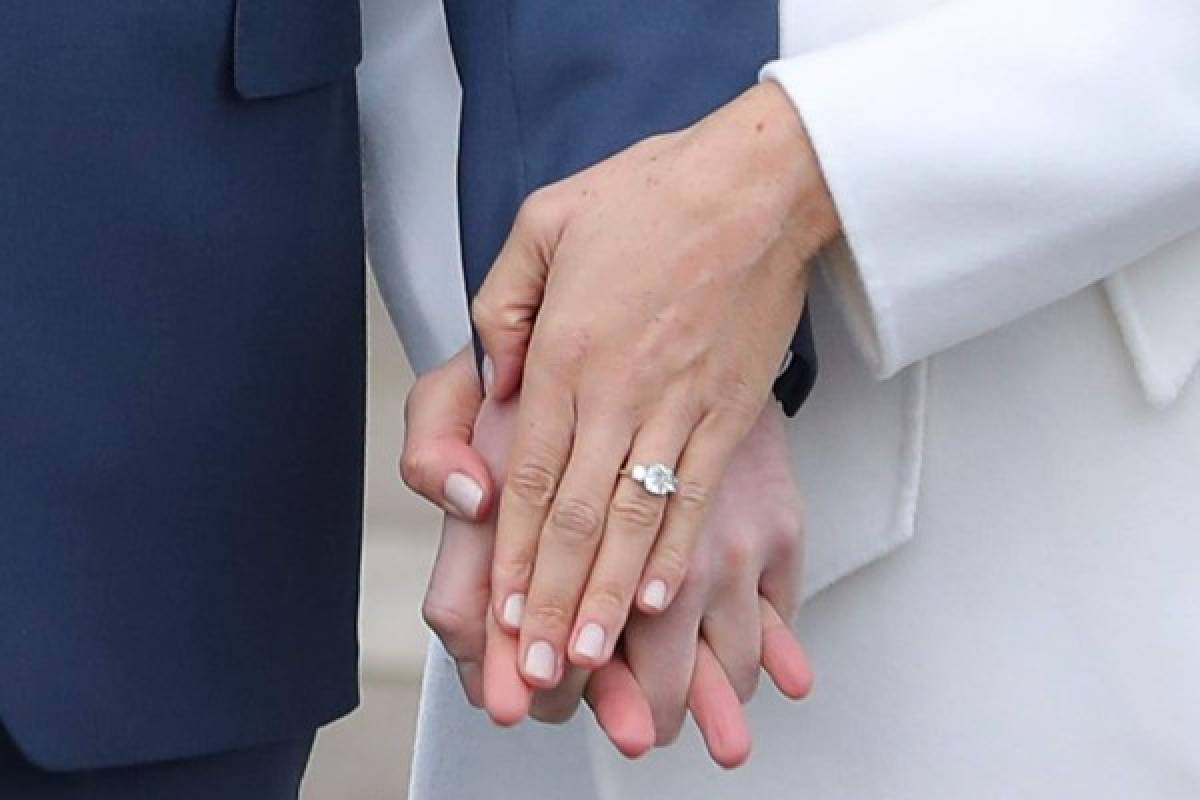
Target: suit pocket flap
(286, 46)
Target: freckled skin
(670, 276)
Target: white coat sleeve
(992, 156)
(409, 105)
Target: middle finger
(566, 547)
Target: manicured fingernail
(539, 661)
(590, 641)
(464, 494)
(514, 609)
(489, 374)
(655, 594)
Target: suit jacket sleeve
(550, 88)
(993, 156)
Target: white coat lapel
(859, 437)
(1157, 304)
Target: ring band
(657, 479)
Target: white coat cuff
(989, 158)
(854, 265)
(827, 88)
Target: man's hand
(666, 284)
(438, 461)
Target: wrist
(780, 152)
(813, 219)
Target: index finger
(545, 427)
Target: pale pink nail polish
(514, 610)
(539, 661)
(590, 641)
(655, 594)
(463, 494)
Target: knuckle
(743, 403)
(575, 520)
(444, 620)
(737, 553)
(538, 212)
(514, 570)
(483, 312)
(693, 496)
(559, 345)
(416, 395)
(414, 465)
(790, 535)
(492, 316)
(792, 524)
(533, 483)
(785, 537)
(550, 615)
(738, 401)
(671, 560)
(608, 600)
(644, 368)
(639, 511)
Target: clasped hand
(643, 307)
(703, 654)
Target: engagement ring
(657, 479)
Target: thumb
(438, 462)
(507, 304)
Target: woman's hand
(705, 652)
(742, 587)
(666, 284)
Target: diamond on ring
(657, 479)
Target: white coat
(1007, 339)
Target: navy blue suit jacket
(181, 330)
(181, 374)
(550, 88)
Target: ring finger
(701, 467)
